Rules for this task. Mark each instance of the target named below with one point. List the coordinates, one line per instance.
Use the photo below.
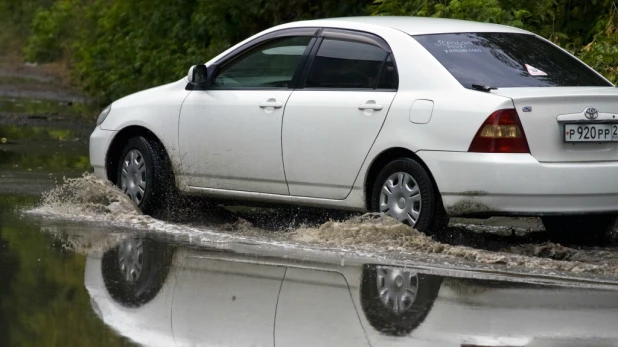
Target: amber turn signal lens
(501, 131)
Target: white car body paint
(155, 109)
(317, 168)
(420, 112)
(545, 138)
(227, 142)
(329, 128)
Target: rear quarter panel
(457, 115)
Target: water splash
(89, 198)
(86, 198)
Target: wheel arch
(382, 160)
(118, 143)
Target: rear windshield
(501, 60)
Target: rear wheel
(592, 229)
(145, 175)
(404, 190)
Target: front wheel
(404, 190)
(144, 175)
(591, 229)
(135, 270)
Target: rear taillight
(501, 133)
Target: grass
(13, 132)
(45, 107)
(21, 80)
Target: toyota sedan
(418, 118)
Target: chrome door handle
(271, 104)
(375, 107)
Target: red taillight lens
(501, 133)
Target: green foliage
(53, 31)
(18, 14)
(132, 45)
(116, 47)
(602, 52)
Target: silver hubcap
(401, 198)
(397, 288)
(131, 259)
(133, 177)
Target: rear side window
(388, 77)
(502, 60)
(350, 65)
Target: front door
(230, 134)
(330, 125)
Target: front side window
(348, 65)
(503, 60)
(269, 65)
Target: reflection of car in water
(159, 295)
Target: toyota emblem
(591, 113)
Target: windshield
(501, 60)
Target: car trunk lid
(544, 111)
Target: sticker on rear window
(458, 46)
(534, 71)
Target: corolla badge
(591, 113)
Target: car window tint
(388, 76)
(502, 60)
(345, 64)
(271, 64)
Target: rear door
(332, 120)
(551, 91)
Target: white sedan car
(419, 118)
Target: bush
(126, 46)
(52, 32)
(116, 47)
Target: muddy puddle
(499, 248)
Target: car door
(230, 134)
(333, 118)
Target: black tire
(382, 318)
(160, 184)
(433, 217)
(156, 262)
(584, 229)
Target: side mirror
(197, 75)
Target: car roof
(416, 25)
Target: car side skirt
(354, 201)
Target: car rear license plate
(600, 132)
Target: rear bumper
(517, 184)
(99, 144)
